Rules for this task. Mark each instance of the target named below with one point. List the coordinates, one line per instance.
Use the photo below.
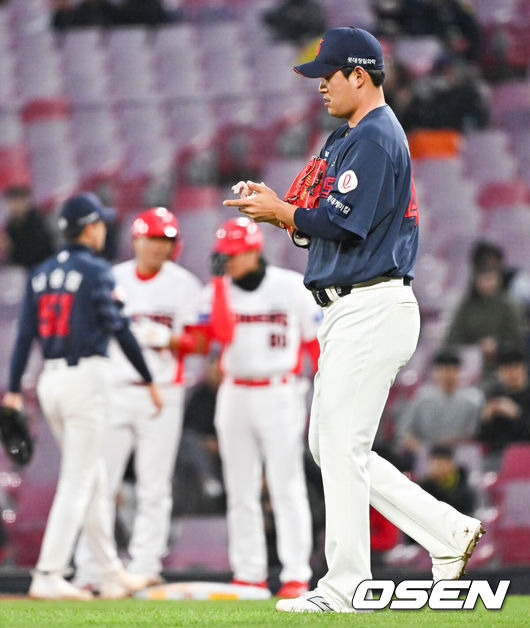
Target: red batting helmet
(157, 222)
(238, 235)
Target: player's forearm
(130, 347)
(284, 213)
(316, 222)
(19, 360)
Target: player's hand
(263, 205)
(13, 400)
(156, 398)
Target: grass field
(30, 614)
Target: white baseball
(242, 189)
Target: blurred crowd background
(170, 103)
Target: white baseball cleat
(52, 586)
(310, 602)
(120, 583)
(453, 568)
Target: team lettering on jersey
(412, 209)
(327, 186)
(54, 308)
(163, 319)
(273, 317)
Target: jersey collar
(145, 277)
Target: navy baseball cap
(81, 210)
(344, 47)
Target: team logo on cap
(319, 47)
(347, 181)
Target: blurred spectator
(453, 21)
(486, 317)
(28, 236)
(142, 12)
(107, 13)
(447, 481)
(198, 470)
(398, 87)
(295, 20)
(504, 53)
(506, 414)
(86, 13)
(63, 14)
(442, 413)
(516, 281)
(452, 97)
(485, 253)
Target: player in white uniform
(160, 298)
(263, 315)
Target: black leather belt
(325, 296)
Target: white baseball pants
(256, 426)
(75, 402)
(365, 338)
(155, 442)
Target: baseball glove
(15, 436)
(305, 191)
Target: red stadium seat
(511, 495)
(14, 167)
(503, 193)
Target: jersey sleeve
(27, 332)
(107, 305)
(109, 312)
(365, 179)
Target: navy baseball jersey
(70, 307)
(367, 190)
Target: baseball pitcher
(362, 235)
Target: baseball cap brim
(316, 69)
